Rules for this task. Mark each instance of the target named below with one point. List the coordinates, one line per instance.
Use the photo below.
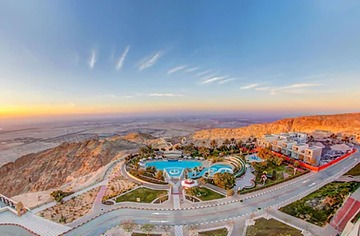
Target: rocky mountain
(342, 123)
(140, 138)
(147, 139)
(54, 167)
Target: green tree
(224, 180)
(230, 192)
(159, 175)
(226, 142)
(213, 144)
(204, 151)
(278, 161)
(239, 144)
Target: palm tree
(213, 144)
(204, 151)
(239, 144)
(226, 143)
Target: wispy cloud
(191, 69)
(164, 95)
(92, 59)
(149, 61)
(301, 85)
(213, 79)
(249, 86)
(176, 69)
(226, 81)
(299, 88)
(203, 73)
(296, 88)
(122, 58)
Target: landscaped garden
(117, 186)
(142, 194)
(215, 232)
(203, 193)
(273, 170)
(355, 171)
(72, 209)
(271, 227)
(320, 206)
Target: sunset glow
(57, 59)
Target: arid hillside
(345, 123)
(54, 167)
(139, 138)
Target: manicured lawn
(271, 227)
(146, 195)
(320, 206)
(355, 171)
(279, 177)
(216, 232)
(204, 194)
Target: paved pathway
(35, 223)
(245, 181)
(277, 196)
(179, 231)
(53, 203)
(347, 178)
(97, 203)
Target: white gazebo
(189, 183)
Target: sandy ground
(72, 209)
(34, 199)
(16, 141)
(118, 185)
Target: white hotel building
(293, 145)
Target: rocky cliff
(344, 123)
(54, 167)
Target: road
(275, 196)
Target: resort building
(175, 154)
(298, 150)
(286, 147)
(266, 140)
(313, 155)
(292, 144)
(298, 137)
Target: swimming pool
(210, 171)
(173, 168)
(253, 158)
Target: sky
(60, 58)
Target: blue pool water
(173, 168)
(254, 158)
(210, 171)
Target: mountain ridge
(348, 123)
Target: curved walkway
(203, 213)
(244, 205)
